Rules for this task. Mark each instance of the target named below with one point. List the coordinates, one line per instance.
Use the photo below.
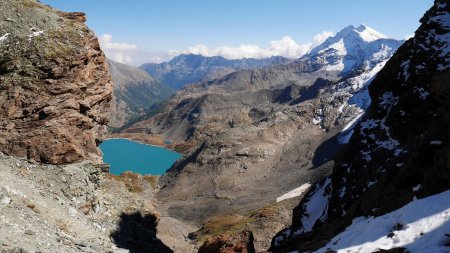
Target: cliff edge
(55, 86)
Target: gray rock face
(135, 93)
(185, 69)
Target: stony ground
(79, 208)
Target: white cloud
(117, 51)
(107, 43)
(286, 47)
(321, 37)
(408, 36)
(128, 53)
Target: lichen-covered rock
(55, 86)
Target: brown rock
(237, 243)
(77, 16)
(55, 86)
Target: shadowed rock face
(55, 86)
(399, 150)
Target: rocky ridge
(54, 83)
(398, 150)
(189, 68)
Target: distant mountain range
(190, 68)
(349, 53)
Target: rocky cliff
(54, 84)
(398, 152)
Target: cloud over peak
(286, 46)
(129, 53)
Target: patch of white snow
(294, 193)
(4, 37)
(316, 207)
(425, 225)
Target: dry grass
(232, 224)
(131, 181)
(152, 180)
(31, 4)
(229, 224)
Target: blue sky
(157, 26)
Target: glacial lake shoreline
(124, 154)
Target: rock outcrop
(399, 150)
(55, 86)
(235, 243)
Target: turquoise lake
(126, 155)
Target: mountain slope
(54, 84)
(254, 133)
(185, 69)
(399, 150)
(135, 92)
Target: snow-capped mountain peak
(353, 47)
(369, 34)
(362, 32)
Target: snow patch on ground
(388, 100)
(436, 142)
(360, 85)
(4, 37)
(425, 223)
(442, 41)
(316, 207)
(35, 34)
(423, 94)
(339, 51)
(405, 66)
(294, 193)
(347, 132)
(317, 120)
